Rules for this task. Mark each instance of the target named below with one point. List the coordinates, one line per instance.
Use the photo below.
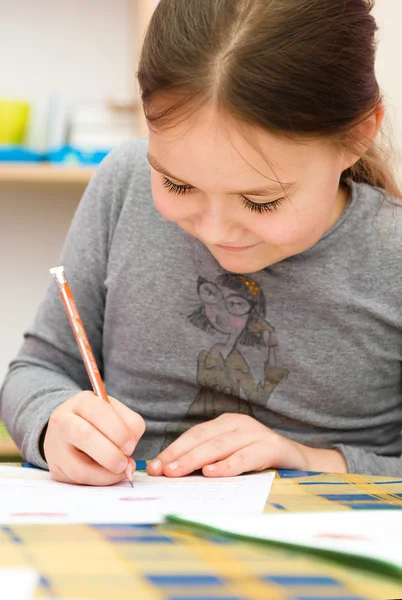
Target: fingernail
(173, 466)
(155, 465)
(210, 468)
(128, 448)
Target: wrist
(323, 460)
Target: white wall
(47, 40)
(83, 50)
(33, 222)
(389, 67)
(80, 49)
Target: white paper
(18, 584)
(368, 533)
(31, 496)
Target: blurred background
(68, 95)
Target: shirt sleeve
(48, 369)
(369, 463)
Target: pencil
(84, 347)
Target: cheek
(210, 312)
(166, 204)
(237, 322)
(294, 223)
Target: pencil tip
(131, 483)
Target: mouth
(236, 249)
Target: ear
(364, 135)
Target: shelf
(119, 106)
(8, 448)
(44, 173)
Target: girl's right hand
(89, 441)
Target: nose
(213, 223)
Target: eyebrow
(265, 191)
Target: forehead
(211, 146)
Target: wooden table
(127, 562)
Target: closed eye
(175, 188)
(262, 207)
(256, 207)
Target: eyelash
(181, 190)
(261, 208)
(174, 188)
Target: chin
(241, 264)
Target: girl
(250, 316)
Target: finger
(155, 468)
(133, 420)
(81, 470)
(250, 458)
(132, 467)
(216, 449)
(189, 440)
(104, 417)
(58, 474)
(85, 437)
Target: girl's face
(251, 197)
(225, 309)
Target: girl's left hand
(234, 444)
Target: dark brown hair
(300, 68)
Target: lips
(236, 249)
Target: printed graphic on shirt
(242, 371)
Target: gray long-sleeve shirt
(311, 346)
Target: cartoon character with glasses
(233, 306)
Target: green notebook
(367, 538)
